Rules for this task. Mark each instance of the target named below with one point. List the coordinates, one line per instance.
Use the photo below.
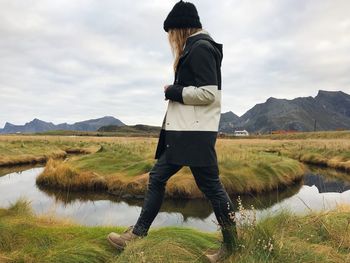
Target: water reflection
(335, 181)
(17, 169)
(196, 208)
(103, 209)
(323, 189)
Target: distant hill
(138, 128)
(228, 121)
(37, 125)
(330, 110)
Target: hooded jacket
(191, 122)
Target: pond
(320, 189)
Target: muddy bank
(336, 162)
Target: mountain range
(37, 125)
(329, 110)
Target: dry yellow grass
(30, 159)
(19, 150)
(58, 174)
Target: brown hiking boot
(221, 254)
(121, 241)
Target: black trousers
(207, 179)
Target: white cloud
(76, 60)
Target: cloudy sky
(72, 60)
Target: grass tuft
(284, 237)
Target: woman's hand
(165, 87)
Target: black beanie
(183, 15)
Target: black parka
(190, 125)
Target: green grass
(127, 157)
(27, 238)
(322, 237)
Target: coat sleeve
(203, 66)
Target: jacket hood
(203, 34)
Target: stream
(320, 189)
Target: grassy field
(310, 135)
(333, 153)
(18, 150)
(120, 165)
(323, 237)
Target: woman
(189, 128)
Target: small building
(241, 133)
(221, 135)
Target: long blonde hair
(177, 38)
